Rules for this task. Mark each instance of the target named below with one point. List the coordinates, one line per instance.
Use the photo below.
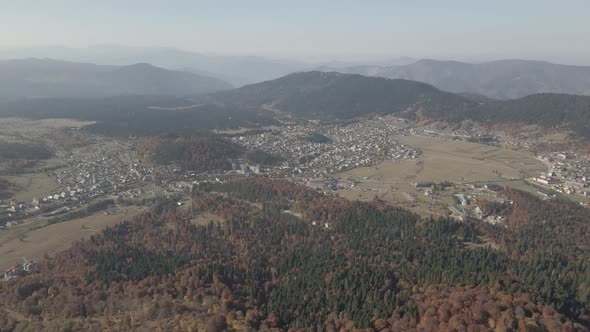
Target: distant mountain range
(236, 70)
(505, 79)
(46, 78)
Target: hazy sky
(304, 28)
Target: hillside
(137, 115)
(45, 78)
(504, 79)
(547, 109)
(200, 152)
(333, 95)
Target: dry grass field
(441, 160)
(33, 185)
(454, 161)
(28, 129)
(31, 241)
(204, 218)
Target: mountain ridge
(237, 70)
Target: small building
(13, 272)
(547, 179)
(255, 169)
(28, 266)
(461, 199)
(426, 184)
(477, 211)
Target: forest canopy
(299, 259)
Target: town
(98, 176)
(567, 174)
(314, 150)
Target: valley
(216, 210)
(295, 166)
(384, 157)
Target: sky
(305, 29)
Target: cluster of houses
(465, 204)
(96, 171)
(567, 174)
(243, 167)
(347, 146)
(105, 170)
(12, 211)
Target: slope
(334, 95)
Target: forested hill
(324, 95)
(547, 109)
(334, 95)
(137, 115)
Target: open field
(454, 161)
(32, 185)
(27, 241)
(29, 129)
(243, 130)
(44, 123)
(441, 160)
(204, 218)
